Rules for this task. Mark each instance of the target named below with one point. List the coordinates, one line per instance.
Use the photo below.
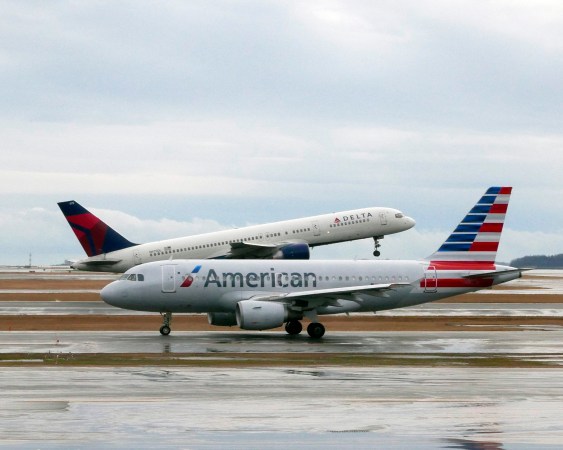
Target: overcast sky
(180, 117)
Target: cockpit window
(132, 277)
(399, 215)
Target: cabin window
(399, 216)
(132, 277)
(140, 277)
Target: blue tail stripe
(487, 200)
(474, 218)
(462, 237)
(480, 209)
(493, 190)
(455, 247)
(467, 228)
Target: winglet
(476, 238)
(93, 234)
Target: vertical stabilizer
(94, 235)
(476, 238)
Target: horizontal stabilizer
(100, 262)
(495, 273)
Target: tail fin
(476, 238)
(94, 235)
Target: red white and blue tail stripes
(476, 238)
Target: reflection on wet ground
(35, 308)
(390, 407)
(534, 341)
(280, 407)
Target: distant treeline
(539, 262)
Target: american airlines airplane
(108, 251)
(261, 295)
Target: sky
(182, 117)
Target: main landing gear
(376, 244)
(315, 329)
(166, 319)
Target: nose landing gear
(166, 319)
(376, 244)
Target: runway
(466, 389)
(533, 343)
(313, 405)
(280, 408)
(42, 308)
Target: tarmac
(465, 388)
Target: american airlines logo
(253, 279)
(190, 278)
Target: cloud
(295, 108)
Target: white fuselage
(208, 286)
(315, 230)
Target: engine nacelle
(260, 315)
(222, 319)
(298, 250)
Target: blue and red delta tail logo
(476, 238)
(190, 278)
(337, 221)
(94, 235)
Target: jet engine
(222, 319)
(299, 250)
(261, 315)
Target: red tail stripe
(505, 190)
(463, 265)
(491, 228)
(498, 208)
(484, 247)
(461, 282)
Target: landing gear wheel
(376, 244)
(293, 327)
(316, 330)
(166, 319)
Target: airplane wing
(327, 297)
(258, 250)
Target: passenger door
(169, 278)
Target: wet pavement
(35, 308)
(533, 341)
(398, 406)
(382, 407)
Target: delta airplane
(261, 295)
(108, 251)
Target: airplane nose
(111, 293)
(410, 221)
